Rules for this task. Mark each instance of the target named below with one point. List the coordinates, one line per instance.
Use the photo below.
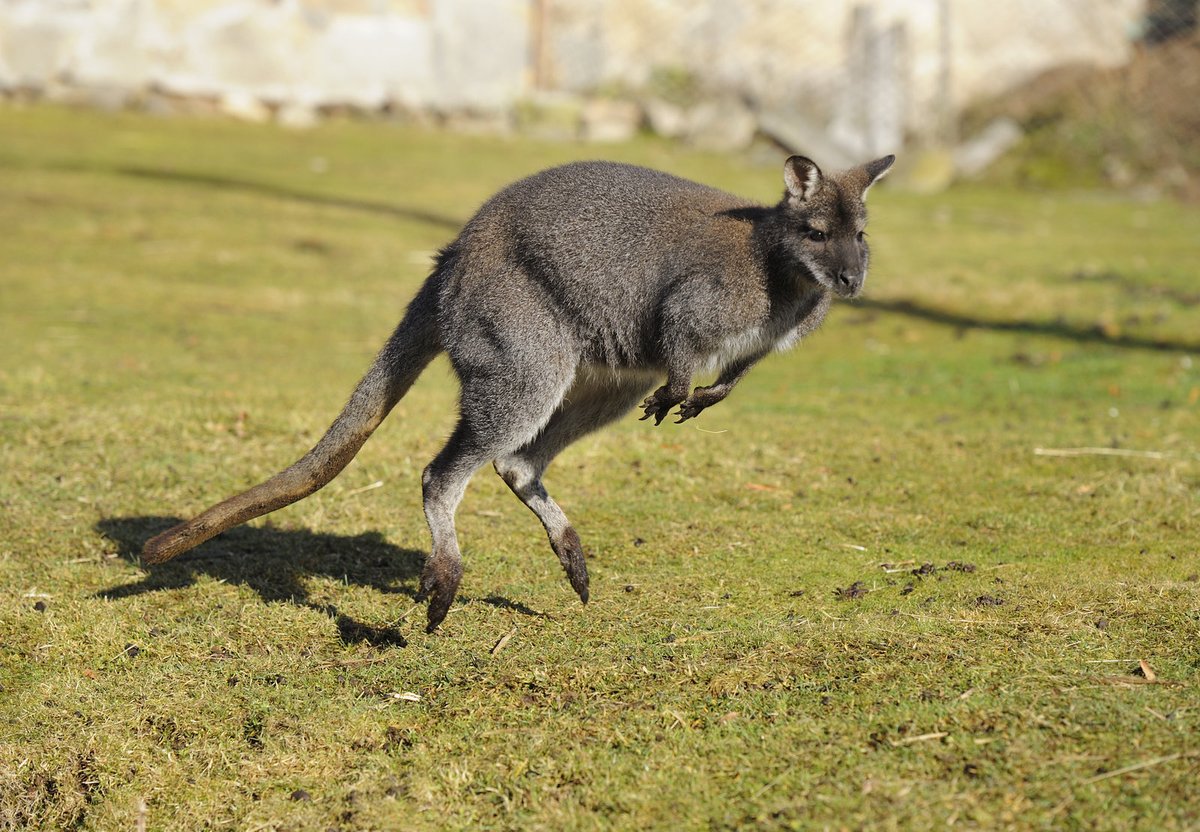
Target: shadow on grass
(274, 562)
(502, 603)
(229, 183)
(1057, 329)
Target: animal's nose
(849, 282)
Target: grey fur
(559, 304)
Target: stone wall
(845, 75)
(452, 54)
(780, 52)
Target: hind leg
(589, 404)
(501, 412)
(494, 423)
(514, 375)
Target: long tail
(409, 350)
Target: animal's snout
(849, 283)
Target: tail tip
(153, 553)
(165, 546)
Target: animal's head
(825, 217)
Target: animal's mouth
(846, 290)
(844, 285)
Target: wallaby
(560, 304)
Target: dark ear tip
(879, 167)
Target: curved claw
(689, 410)
(653, 408)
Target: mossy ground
(186, 305)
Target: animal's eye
(816, 236)
(862, 236)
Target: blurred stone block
(608, 120)
(550, 116)
(666, 119)
(296, 116)
(722, 124)
(244, 106)
(979, 153)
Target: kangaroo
(560, 305)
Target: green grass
(186, 305)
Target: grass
(186, 305)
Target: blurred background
(1040, 92)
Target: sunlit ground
(879, 586)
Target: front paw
(690, 409)
(701, 398)
(657, 406)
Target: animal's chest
(778, 332)
(751, 342)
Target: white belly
(750, 342)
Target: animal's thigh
(596, 398)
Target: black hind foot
(439, 584)
(570, 552)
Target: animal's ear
(874, 171)
(801, 176)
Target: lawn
(874, 588)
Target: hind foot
(439, 583)
(569, 549)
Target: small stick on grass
(1138, 766)
(1109, 661)
(405, 614)
(503, 642)
(936, 735)
(354, 662)
(1125, 452)
(772, 782)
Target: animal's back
(600, 242)
(604, 213)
